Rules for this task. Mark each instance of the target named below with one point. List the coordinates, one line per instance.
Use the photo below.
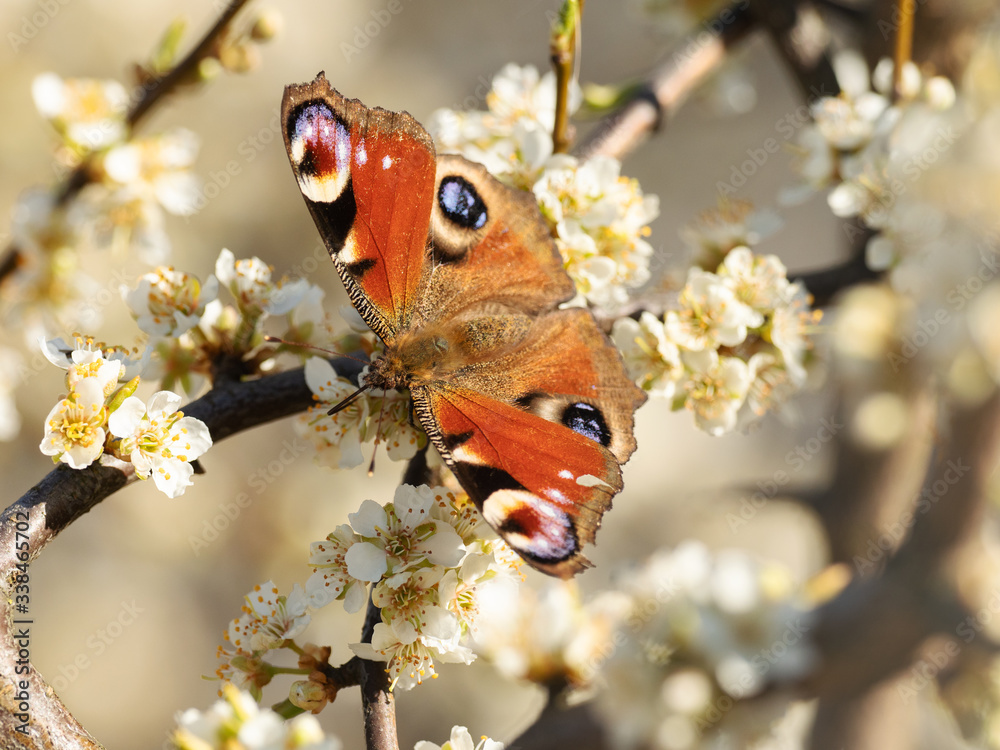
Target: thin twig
(805, 54)
(377, 700)
(915, 598)
(66, 494)
(152, 93)
(693, 60)
(903, 50)
(565, 32)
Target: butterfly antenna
(349, 400)
(328, 352)
(378, 437)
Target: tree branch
(66, 494)
(693, 60)
(804, 53)
(916, 597)
(562, 47)
(377, 700)
(153, 92)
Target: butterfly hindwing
(540, 451)
(368, 178)
(541, 485)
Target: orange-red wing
(541, 485)
(367, 176)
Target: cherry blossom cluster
(916, 172)
(703, 632)
(735, 344)
(427, 556)
(132, 181)
(873, 151)
(190, 328)
(237, 723)
(599, 218)
(548, 636)
(100, 418)
(461, 740)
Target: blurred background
(127, 611)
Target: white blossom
(269, 618)
(157, 169)
(709, 314)
(159, 440)
(460, 740)
(716, 389)
(330, 580)
(74, 428)
(652, 359)
(166, 302)
(599, 220)
(399, 537)
(410, 656)
(238, 723)
(249, 281)
(89, 113)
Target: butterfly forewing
(368, 178)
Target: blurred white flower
(120, 219)
(790, 326)
(460, 740)
(167, 302)
(547, 636)
(159, 440)
(701, 632)
(157, 169)
(11, 363)
(238, 723)
(49, 289)
(74, 428)
(87, 112)
(713, 233)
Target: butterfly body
(529, 404)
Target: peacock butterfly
(529, 405)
